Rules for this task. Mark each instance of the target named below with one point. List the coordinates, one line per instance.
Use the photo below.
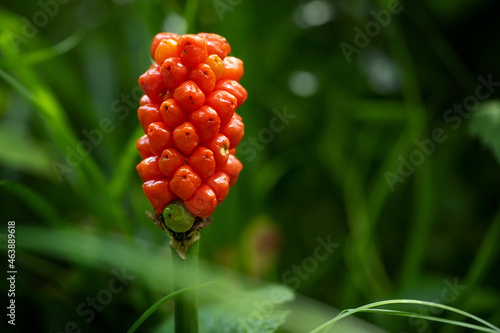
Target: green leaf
(155, 306)
(256, 311)
(485, 124)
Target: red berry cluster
(189, 120)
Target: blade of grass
(34, 200)
(156, 305)
(346, 313)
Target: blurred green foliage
(357, 162)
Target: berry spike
(191, 93)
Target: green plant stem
(185, 273)
(190, 15)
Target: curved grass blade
(156, 305)
(368, 307)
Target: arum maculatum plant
(191, 132)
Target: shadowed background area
(371, 162)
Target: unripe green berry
(177, 217)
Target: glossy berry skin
(171, 159)
(206, 121)
(219, 145)
(189, 96)
(219, 182)
(184, 182)
(160, 137)
(204, 77)
(203, 202)
(188, 115)
(159, 37)
(224, 103)
(192, 49)
(172, 113)
(148, 114)
(233, 168)
(234, 131)
(142, 145)
(151, 83)
(186, 138)
(158, 193)
(216, 44)
(234, 88)
(233, 69)
(148, 169)
(202, 161)
(173, 72)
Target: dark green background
(322, 175)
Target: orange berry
(216, 44)
(224, 103)
(216, 65)
(158, 38)
(219, 182)
(206, 121)
(233, 168)
(202, 161)
(148, 114)
(204, 77)
(171, 159)
(142, 145)
(148, 169)
(203, 202)
(219, 145)
(234, 88)
(173, 72)
(233, 69)
(189, 96)
(172, 113)
(158, 193)
(160, 137)
(192, 49)
(184, 182)
(186, 138)
(166, 49)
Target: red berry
(186, 138)
(219, 145)
(202, 161)
(160, 137)
(148, 169)
(184, 182)
(234, 131)
(144, 100)
(152, 84)
(203, 202)
(216, 44)
(172, 113)
(233, 168)
(234, 88)
(233, 69)
(224, 103)
(189, 96)
(171, 159)
(192, 49)
(158, 38)
(219, 182)
(158, 193)
(148, 114)
(206, 121)
(142, 145)
(173, 72)
(204, 77)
